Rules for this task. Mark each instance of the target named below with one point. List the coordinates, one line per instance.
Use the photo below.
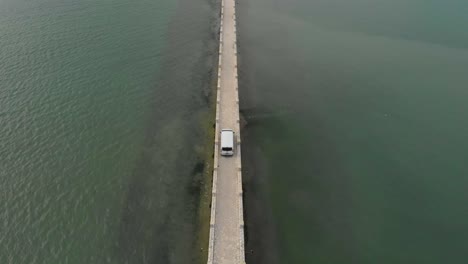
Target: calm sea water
(101, 110)
(356, 142)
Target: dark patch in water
(198, 168)
(197, 180)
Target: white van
(227, 142)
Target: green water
(101, 110)
(357, 128)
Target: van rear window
(226, 149)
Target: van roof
(227, 138)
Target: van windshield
(226, 149)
